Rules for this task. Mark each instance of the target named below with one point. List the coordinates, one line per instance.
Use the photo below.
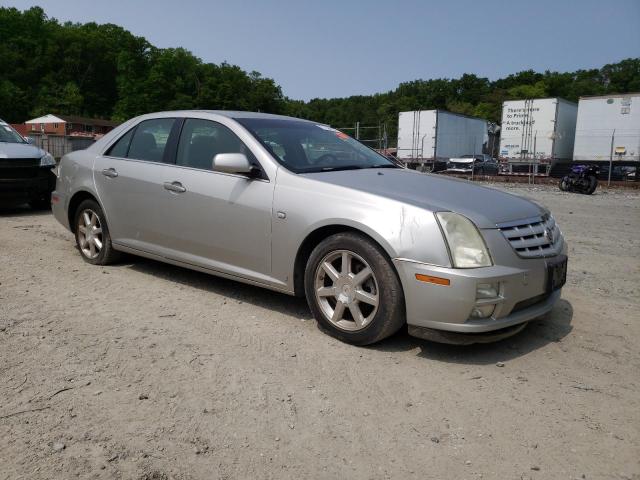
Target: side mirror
(29, 140)
(231, 163)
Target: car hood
(485, 206)
(20, 150)
(461, 160)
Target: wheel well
(75, 202)
(311, 242)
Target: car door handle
(110, 172)
(174, 187)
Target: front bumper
(458, 170)
(522, 295)
(24, 184)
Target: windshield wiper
(337, 168)
(348, 167)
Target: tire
(593, 184)
(564, 185)
(90, 225)
(335, 295)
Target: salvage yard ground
(144, 370)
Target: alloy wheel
(90, 234)
(346, 290)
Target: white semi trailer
(428, 138)
(608, 128)
(536, 134)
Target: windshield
(8, 134)
(304, 147)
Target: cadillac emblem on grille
(533, 237)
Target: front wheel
(564, 184)
(353, 290)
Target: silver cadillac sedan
(301, 208)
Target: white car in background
(477, 164)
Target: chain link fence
(58, 145)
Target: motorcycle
(582, 179)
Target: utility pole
(613, 135)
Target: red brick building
(68, 125)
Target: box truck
(428, 138)
(536, 134)
(608, 128)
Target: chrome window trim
(238, 175)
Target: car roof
(239, 114)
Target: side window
(150, 139)
(119, 149)
(201, 140)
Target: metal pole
(529, 176)
(386, 139)
(473, 163)
(611, 158)
(535, 146)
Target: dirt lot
(144, 370)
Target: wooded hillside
(106, 71)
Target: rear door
(130, 184)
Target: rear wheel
(92, 234)
(353, 290)
(593, 184)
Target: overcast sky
(328, 48)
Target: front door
(219, 221)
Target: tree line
(105, 71)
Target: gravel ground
(148, 371)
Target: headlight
(467, 247)
(47, 161)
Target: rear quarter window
(121, 147)
(146, 141)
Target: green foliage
(537, 90)
(469, 95)
(106, 71)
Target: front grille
(532, 238)
(19, 162)
(18, 173)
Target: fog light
(482, 311)
(487, 290)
